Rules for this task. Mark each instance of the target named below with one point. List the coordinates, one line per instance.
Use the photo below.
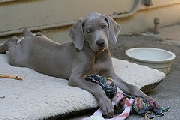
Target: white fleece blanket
(40, 96)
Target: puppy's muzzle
(101, 44)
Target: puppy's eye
(88, 30)
(104, 26)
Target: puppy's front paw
(106, 107)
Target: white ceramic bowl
(152, 57)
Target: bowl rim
(151, 61)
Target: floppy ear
(114, 30)
(76, 34)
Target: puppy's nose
(100, 43)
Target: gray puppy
(87, 54)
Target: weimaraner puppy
(87, 54)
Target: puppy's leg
(129, 88)
(5, 47)
(104, 102)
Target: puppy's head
(96, 30)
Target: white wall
(40, 14)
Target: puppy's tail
(5, 47)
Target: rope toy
(143, 107)
(107, 84)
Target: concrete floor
(167, 93)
